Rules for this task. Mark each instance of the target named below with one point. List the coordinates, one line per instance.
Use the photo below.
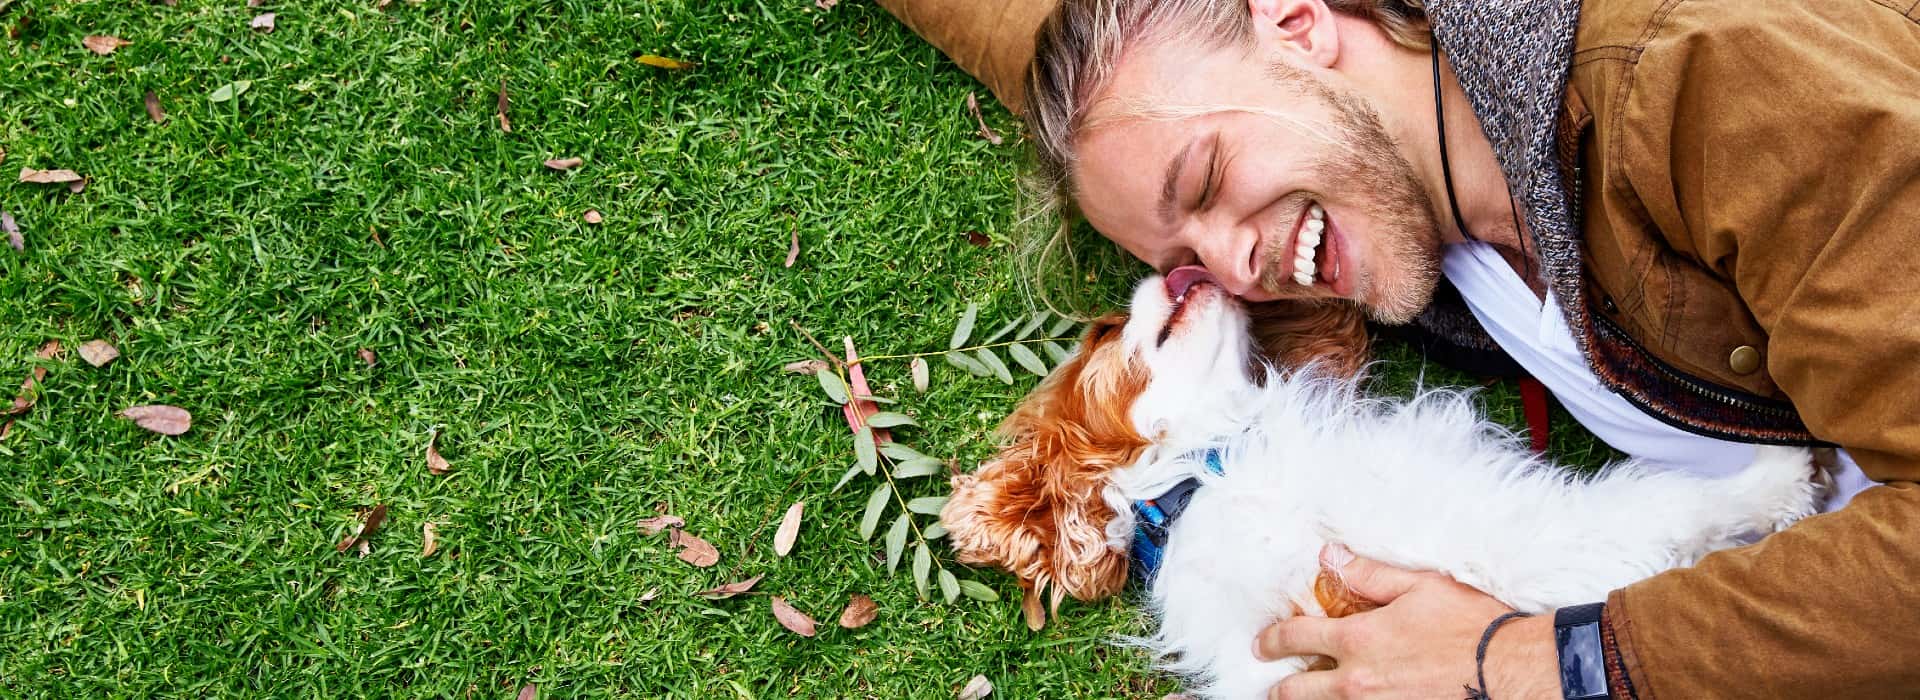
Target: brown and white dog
(1269, 465)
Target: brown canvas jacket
(1749, 173)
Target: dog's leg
(1580, 540)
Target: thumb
(1373, 580)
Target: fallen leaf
(154, 111)
(592, 216)
(918, 367)
(857, 410)
(429, 539)
(789, 529)
(12, 230)
(653, 526)
(103, 45)
(664, 62)
(1034, 610)
(29, 391)
(795, 621)
(500, 108)
(165, 420)
(436, 464)
(263, 23)
(825, 4)
(370, 523)
(977, 688)
(979, 240)
(793, 249)
(564, 164)
(230, 91)
(730, 590)
(367, 357)
(77, 186)
(694, 550)
(986, 132)
(860, 611)
(651, 594)
(48, 176)
(255, 3)
(98, 352)
(529, 692)
(806, 367)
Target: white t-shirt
(1537, 337)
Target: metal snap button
(1744, 360)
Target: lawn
(360, 193)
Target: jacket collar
(1513, 58)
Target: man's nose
(1227, 255)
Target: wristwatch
(1583, 668)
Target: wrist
(1522, 662)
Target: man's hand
(1419, 644)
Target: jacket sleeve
(1795, 163)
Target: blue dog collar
(1154, 518)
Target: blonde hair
(1074, 53)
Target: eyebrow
(1171, 184)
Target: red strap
(1533, 398)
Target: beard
(1405, 267)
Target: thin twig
(816, 344)
(871, 358)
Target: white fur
(1424, 484)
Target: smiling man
(1697, 221)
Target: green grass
(362, 195)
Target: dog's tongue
(1183, 278)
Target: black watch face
(1583, 673)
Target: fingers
(1301, 636)
(1373, 580)
(1306, 686)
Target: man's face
(1239, 162)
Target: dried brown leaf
(500, 108)
(77, 186)
(162, 419)
(529, 691)
(154, 111)
(98, 352)
(12, 229)
(263, 23)
(564, 164)
(694, 550)
(429, 539)
(29, 389)
(793, 249)
(436, 464)
(985, 132)
(825, 4)
(651, 594)
(48, 176)
(791, 618)
(1033, 610)
(666, 63)
(979, 240)
(592, 216)
(921, 374)
(103, 45)
(730, 590)
(370, 523)
(368, 357)
(789, 529)
(653, 526)
(860, 611)
(977, 688)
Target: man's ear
(1302, 27)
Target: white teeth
(1309, 242)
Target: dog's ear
(1036, 509)
(1292, 333)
